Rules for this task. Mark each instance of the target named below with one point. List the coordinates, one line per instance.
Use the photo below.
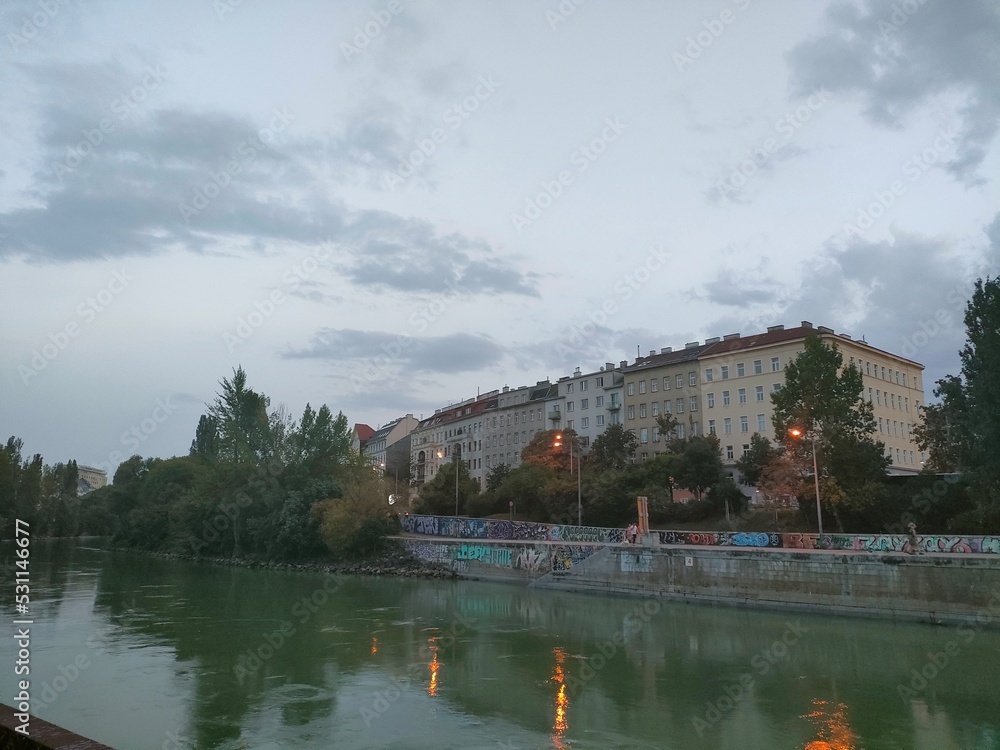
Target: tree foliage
(614, 449)
(751, 464)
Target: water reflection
(434, 666)
(832, 729)
(560, 723)
(250, 658)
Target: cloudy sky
(387, 206)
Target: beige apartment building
(735, 376)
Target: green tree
(823, 399)
(945, 427)
(752, 463)
(542, 450)
(699, 464)
(614, 449)
(437, 496)
(496, 476)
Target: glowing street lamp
(579, 471)
(441, 455)
(797, 433)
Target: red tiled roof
(363, 431)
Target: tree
(824, 400)
(496, 476)
(356, 524)
(752, 463)
(944, 428)
(699, 463)
(667, 424)
(614, 449)
(784, 476)
(437, 496)
(543, 451)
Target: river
(146, 653)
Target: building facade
(590, 402)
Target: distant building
(90, 479)
(360, 436)
(383, 449)
(591, 402)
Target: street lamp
(579, 472)
(796, 433)
(441, 455)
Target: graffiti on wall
(476, 528)
(485, 553)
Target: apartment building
(389, 443)
(591, 402)
(665, 382)
(452, 433)
(729, 382)
(90, 479)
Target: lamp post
(579, 477)
(440, 454)
(796, 433)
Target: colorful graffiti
(476, 528)
(487, 553)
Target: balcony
(613, 406)
(555, 416)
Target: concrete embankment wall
(941, 588)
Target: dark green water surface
(147, 653)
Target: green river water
(145, 653)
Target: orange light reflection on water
(832, 728)
(374, 645)
(560, 723)
(434, 666)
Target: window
(761, 423)
(693, 404)
(759, 392)
(600, 420)
(642, 411)
(569, 407)
(729, 452)
(725, 398)
(907, 401)
(680, 406)
(880, 425)
(740, 370)
(711, 400)
(654, 385)
(656, 409)
(598, 400)
(666, 407)
(744, 424)
(630, 389)
(708, 375)
(569, 425)
(694, 428)
(868, 367)
(775, 387)
(883, 373)
(725, 372)
(656, 434)
(642, 386)
(893, 400)
(757, 367)
(585, 423)
(666, 382)
(583, 385)
(692, 378)
(775, 364)
(643, 435)
(743, 395)
(727, 425)
(680, 431)
(711, 427)
(631, 412)
(569, 388)
(679, 381)
(600, 381)
(584, 403)
(878, 397)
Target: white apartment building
(591, 402)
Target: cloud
(123, 178)
(454, 353)
(899, 56)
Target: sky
(390, 206)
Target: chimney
(666, 350)
(713, 340)
(506, 388)
(824, 329)
(691, 344)
(652, 352)
(623, 364)
(609, 366)
(806, 324)
(730, 337)
(576, 372)
(772, 329)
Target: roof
(668, 358)
(363, 431)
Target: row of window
(654, 383)
(741, 370)
(897, 402)
(585, 403)
(894, 428)
(872, 369)
(582, 384)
